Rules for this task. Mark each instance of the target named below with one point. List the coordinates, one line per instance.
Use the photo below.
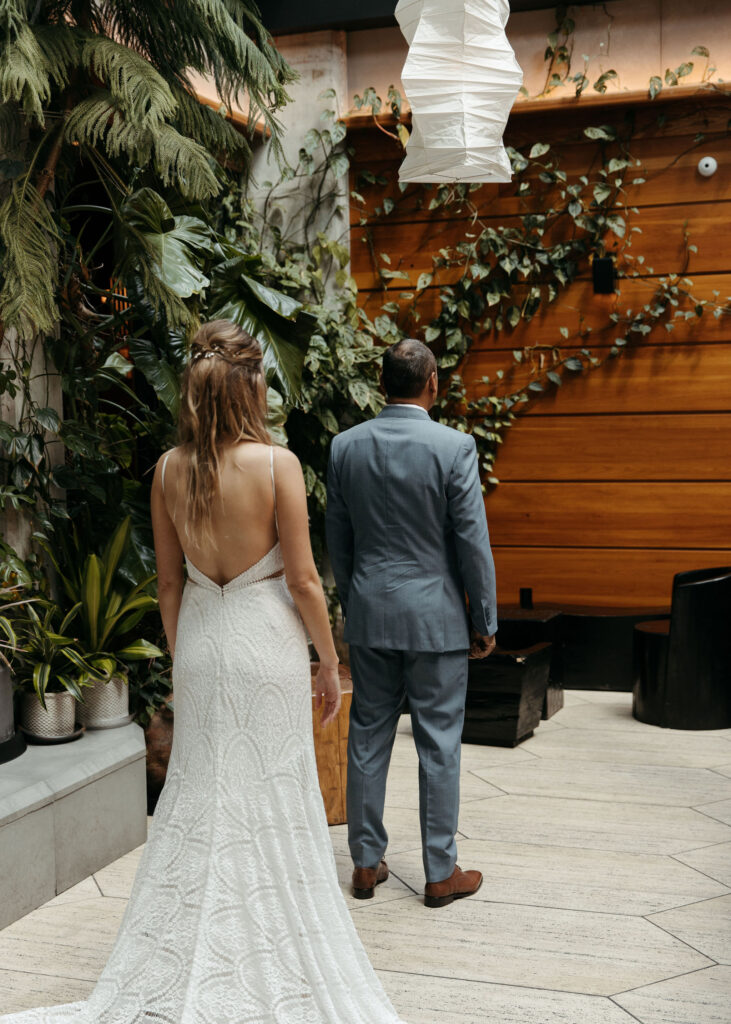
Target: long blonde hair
(223, 400)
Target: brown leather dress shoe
(456, 887)
(365, 880)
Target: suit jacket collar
(404, 411)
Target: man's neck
(419, 403)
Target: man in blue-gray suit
(407, 538)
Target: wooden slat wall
(622, 477)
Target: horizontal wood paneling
(579, 308)
(613, 447)
(622, 477)
(411, 245)
(616, 577)
(693, 378)
(669, 166)
(612, 514)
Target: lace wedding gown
(236, 915)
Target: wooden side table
(331, 751)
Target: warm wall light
(461, 78)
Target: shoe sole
(367, 894)
(444, 901)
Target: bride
(236, 915)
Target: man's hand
(481, 646)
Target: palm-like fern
(113, 78)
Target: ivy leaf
(424, 281)
(48, 419)
(655, 86)
(617, 224)
(554, 378)
(388, 205)
(604, 131)
(601, 193)
(535, 386)
(700, 51)
(670, 77)
(685, 69)
(601, 83)
(574, 364)
(575, 208)
(513, 316)
(432, 333)
(518, 355)
(538, 149)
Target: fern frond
(61, 49)
(13, 16)
(142, 92)
(184, 162)
(29, 268)
(208, 126)
(24, 74)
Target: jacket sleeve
(472, 541)
(339, 532)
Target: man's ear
(434, 382)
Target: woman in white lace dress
(236, 916)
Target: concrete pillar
(321, 60)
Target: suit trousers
(436, 687)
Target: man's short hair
(407, 366)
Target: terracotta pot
(57, 721)
(159, 741)
(105, 704)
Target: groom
(407, 538)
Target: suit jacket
(407, 534)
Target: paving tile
(647, 784)
(591, 824)
(687, 750)
(602, 697)
(392, 889)
(705, 926)
(593, 954)
(615, 712)
(72, 940)
(402, 790)
(564, 877)
(402, 825)
(724, 769)
(714, 861)
(720, 811)
(116, 878)
(81, 891)
(700, 998)
(427, 1000)
(22, 991)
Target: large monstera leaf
(176, 247)
(278, 322)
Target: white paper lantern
(461, 78)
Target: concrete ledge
(66, 811)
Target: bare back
(243, 516)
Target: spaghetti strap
(165, 466)
(274, 487)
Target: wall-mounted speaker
(603, 275)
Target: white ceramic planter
(55, 722)
(105, 704)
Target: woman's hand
(327, 692)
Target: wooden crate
(331, 752)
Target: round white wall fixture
(707, 165)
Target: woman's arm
(169, 558)
(302, 577)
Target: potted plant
(105, 607)
(49, 670)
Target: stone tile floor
(606, 849)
